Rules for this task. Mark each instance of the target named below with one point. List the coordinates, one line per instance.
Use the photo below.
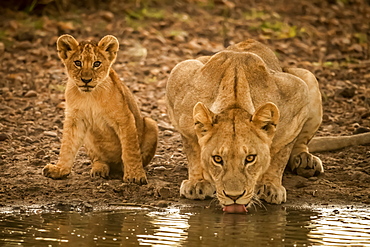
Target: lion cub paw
(99, 169)
(55, 171)
(271, 193)
(136, 178)
(306, 165)
(197, 189)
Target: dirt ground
(329, 38)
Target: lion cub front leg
(131, 153)
(196, 187)
(73, 133)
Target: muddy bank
(329, 38)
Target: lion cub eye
(97, 64)
(217, 159)
(250, 158)
(78, 63)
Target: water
(275, 226)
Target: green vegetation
(272, 25)
(136, 18)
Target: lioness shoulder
(242, 118)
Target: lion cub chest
(95, 110)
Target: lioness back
(242, 118)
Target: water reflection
(276, 226)
(171, 231)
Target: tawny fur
(242, 119)
(239, 106)
(102, 114)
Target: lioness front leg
(301, 161)
(73, 133)
(270, 188)
(196, 187)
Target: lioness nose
(233, 196)
(86, 80)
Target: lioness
(101, 112)
(242, 119)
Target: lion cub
(102, 114)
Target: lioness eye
(250, 158)
(217, 159)
(78, 63)
(97, 64)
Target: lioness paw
(197, 189)
(55, 171)
(139, 179)
(271, 193)
(306, 165)
(99, 169)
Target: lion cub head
(235, 149)
(88, 63)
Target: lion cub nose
(233, 196)
(86, 80)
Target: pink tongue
(235, 208)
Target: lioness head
(235, 149)
(88, 63)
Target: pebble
(167, 133)
(162, 204)
(40, 154)
(30, 94)
(50, 133)
(3, 136)
(159, 168)
(164, 192)
(2, 48)
(107, 15)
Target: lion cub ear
(266, 118)
(65, 45)
(203, 119)
(110, 45)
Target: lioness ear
(202, 117)
(65, 45)
(110, 45)
(266, 118)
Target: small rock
(30, 94)
(107, 15)
(361, 130)
(4, 136)
(2, 48)
(40, 154)
(167, 133)
(50, 133)
(159, 168)
(162, 204)
(301, 184)
(348, 92)
(164, 192)
(28, 140)
(61, 105)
